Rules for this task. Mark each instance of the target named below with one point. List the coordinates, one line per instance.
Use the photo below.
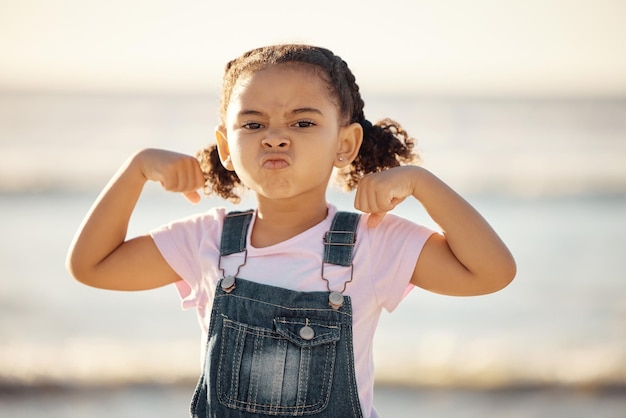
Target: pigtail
(217, 179)
(385, 145)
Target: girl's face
(283, 134)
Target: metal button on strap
(228, 283)
(335, 299)
(307, 333)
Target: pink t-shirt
(384, 259)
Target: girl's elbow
(504, 275)
(78, 270)
(510, 268)
(496, 277)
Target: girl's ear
(350, 140)
(222, 149)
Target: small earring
(340, 158)
(227, 160)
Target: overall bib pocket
(283, 370)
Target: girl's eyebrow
(257, 113)
(306, 110)
(246, 112)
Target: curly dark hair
(385, 144)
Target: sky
(428, 47)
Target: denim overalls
(278, 352)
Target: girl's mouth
(274, 162)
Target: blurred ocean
(548, 174)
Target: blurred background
(519, 105)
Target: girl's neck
(277, 222)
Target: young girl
(289, 294)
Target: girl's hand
(176, 172)
(378, 193)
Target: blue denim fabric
(339, 241)
(277, 352)
(234, 232)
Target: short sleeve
(187, 245)
(395, 246)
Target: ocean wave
(516, 146)
(486, 368)
(97, 362)
(111, 363)
(535, 184)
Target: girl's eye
(304, 124)
(252, 125)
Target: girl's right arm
(100, 255)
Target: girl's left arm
(467, 258)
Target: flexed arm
(100, 254)
(467, 259)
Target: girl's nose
(275, 140)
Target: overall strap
(235, 232)
(339, 241)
